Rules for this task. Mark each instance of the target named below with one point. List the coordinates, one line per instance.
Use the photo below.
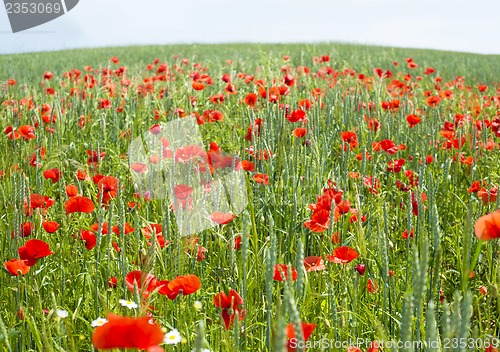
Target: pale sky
(472, 26)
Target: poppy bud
(361, 268)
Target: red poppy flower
(281, 272)
(374, 125)
(274, 94)
(366, 156)
(16, 267)
(52, 174)
(354, 216)
(232, 303)
(33, 250)
(251, 99)
(305, 104)
(475, 187)
(230, 89)
(25, 229)
(392, 105)
(104, 227)
(300, 132)
(188, 153)
(79, 204)
(89, 238)
(248, 165)
(429, 159)
(319, 222)
(128, 332)
(155, 129)
(314, 263)
(161, 241)
(146, 283)
(148, 230)
(487, 227)
(448, 94)
(261, 178)
(153, 159)
(103, 103)
(349, 137)
(39, 201)
(186, 285)
(116, 247)
(343, 207)
(200, 253)
(289, 80)
(433, 101)
(414, 202)
(50, 226)
(108, 188)
(226, 78)
(297, 115)
(413, 120)
(198, 86)
(81, 175)
(221, 218)
(217, 160)
(342, 254)
(12, 133)
(126, 230)
(71, 190)
(217, 99)
(236, 243)
(214, 147)
(395, 165)
(213, 115)
(254, 129)
(26, 132)
(388, 146)
(307, 330)
(372, 183)
(402, 186)
(464, 160)
(139, 168)
(405, 234)
(95, 157)
(182, 191)
(372, 286)
(488, 196)
(112, 282)
(336, 237)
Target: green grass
(428, 295)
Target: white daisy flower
(98, 322)
(61, 313)
(197, 305)
(172, 338)
(128, 303)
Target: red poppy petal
(79, 204)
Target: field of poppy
(370, 181)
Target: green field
(383, 162)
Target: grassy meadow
(366, 171)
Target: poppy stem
(476, 256)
